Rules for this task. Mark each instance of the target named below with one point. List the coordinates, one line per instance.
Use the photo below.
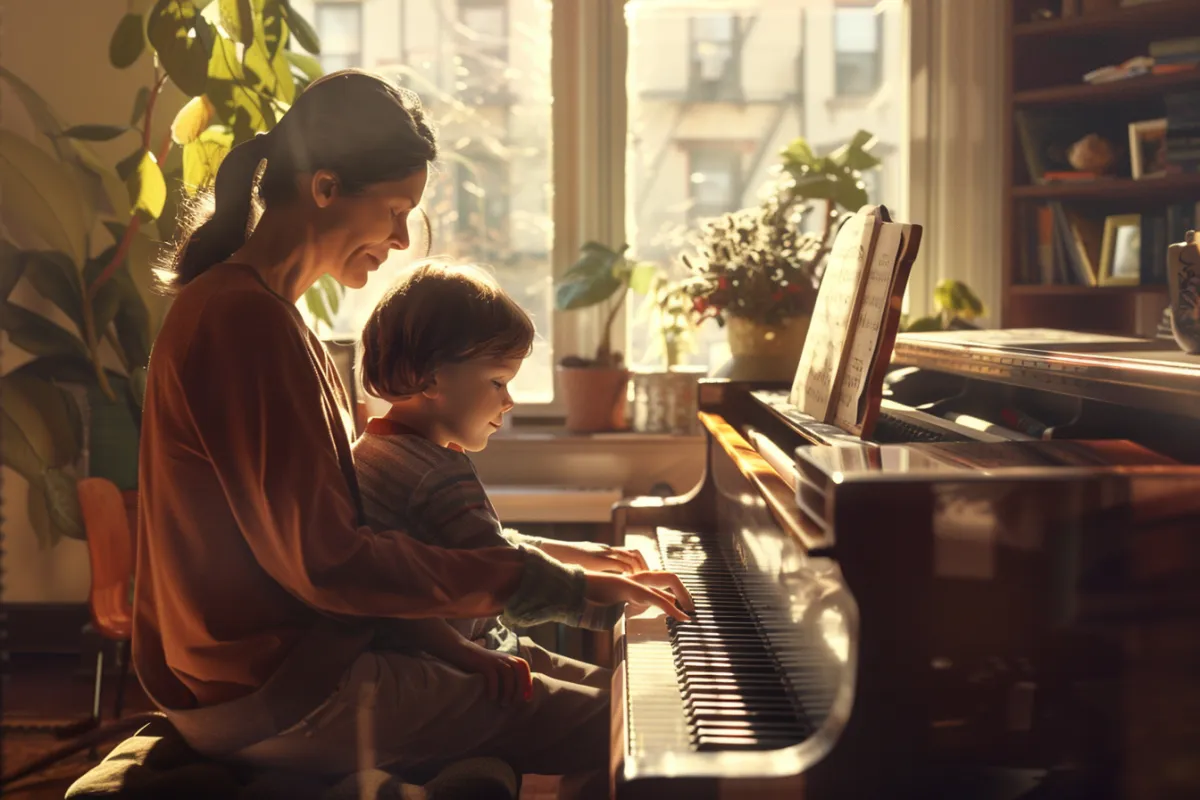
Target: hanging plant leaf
(147, 188)
(129, 164)
(202, 158)
(128, 41)
(95, 133)
(139, 105)
(72, 369)
(314, 300)
(642, 278)
(41, 196)
(56, 279)
(62, 503)
(12, 267)
(46, 416)
(237, 19)
(304, 32)
(184, 56)
(37, 335)
(309, 67)
(192, 120)
(854, 153)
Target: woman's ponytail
(213, 230)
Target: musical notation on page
(864, 334)
(828, 334)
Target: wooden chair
(107, 522)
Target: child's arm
(592, 556)
(508, 677)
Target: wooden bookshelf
(1045, 63)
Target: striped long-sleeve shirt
(434, 493)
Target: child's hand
(508, 677)
(663, 590)
(595, 557)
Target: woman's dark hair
(355, 124)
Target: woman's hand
(508, 677)
(662, 590)
(595, 557)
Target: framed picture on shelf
(1148, 148)
(1121, 251)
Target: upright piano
(996, 595)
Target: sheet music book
(854, 324)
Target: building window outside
(340, 26)
(714, 177)
(714, 58)
(858, 46)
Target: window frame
(729, 86)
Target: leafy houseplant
(955, 307)
(594, 388)
(759, 264)
(231, 57)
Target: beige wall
(60, 48)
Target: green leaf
(56, 279)
(591, 279)
(128, 165)
(139, 105)
(798, 154)
(266, 63)
(36, 505)
(183, 56)
(16, 452)
(73, 369)
(237, 105)
(924, 324)
(95, 133)
(147, 188)
(62, 503)
(202, 158)
(854, 155)
(305, 35)
(333, 293)
(128, 41)
(641, 277)
(274, 30)
(314, 299)
(192, 120)
(41, 197)
(46, 415)
(37, 335)
(308, 66)
(238, 20)
(12, 267)
(958, 299)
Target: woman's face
(360, 230)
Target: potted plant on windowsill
(594, 389)
(757, 271)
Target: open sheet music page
(831, 321)
(864, 334)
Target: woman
(256, 586)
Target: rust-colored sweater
(248, 541)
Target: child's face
(469, 400)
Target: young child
(442, 346)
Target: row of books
(1074, 245)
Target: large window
(482, 70)
(340, 26)
(858, 59)
(691, 157)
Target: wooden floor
(52, 690)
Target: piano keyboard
(741, 678)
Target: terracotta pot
(594, 398)
(764, 352)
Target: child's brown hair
(437, 314)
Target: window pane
(692, 155)
(340, 27)
(482, 70)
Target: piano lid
(1148, 374)
(960, 461)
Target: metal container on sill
(664, 401)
